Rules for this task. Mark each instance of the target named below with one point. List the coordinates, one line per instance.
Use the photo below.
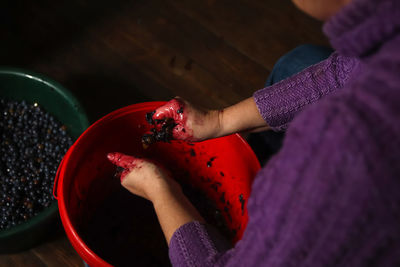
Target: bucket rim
(48, 214)
(80, 246)
(49, 82)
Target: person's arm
(243, 116)
(307, 200)
(274, 107)
(197, 124)
(271, 108)
(309, 188)
(278, 104)
(173, 210)
(145, 179)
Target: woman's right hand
(192, 123)
(143, 177)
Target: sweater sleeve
(287, 196)
(273, 211)
(321, 200)
(197, 244)
(279, 103)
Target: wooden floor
(114, 53)
(57, 251)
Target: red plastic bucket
(224, 165)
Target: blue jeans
(265, 144)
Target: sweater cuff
(279, 103)
(196, 244)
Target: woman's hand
(142, 177)
(192, 123)
(195, 124)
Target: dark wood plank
(262, 30)
(6, 260)
(27, 258)
(140, 47)
(171, 26)
(62, 254)
(54, 252)
(214, 53)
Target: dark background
(114, 53)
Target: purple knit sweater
(331, 196)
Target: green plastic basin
(18, 84)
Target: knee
(307, 48)
(306, 54)
(298, 59)
(319, 52)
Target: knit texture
(278, 104)
(331, 196)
